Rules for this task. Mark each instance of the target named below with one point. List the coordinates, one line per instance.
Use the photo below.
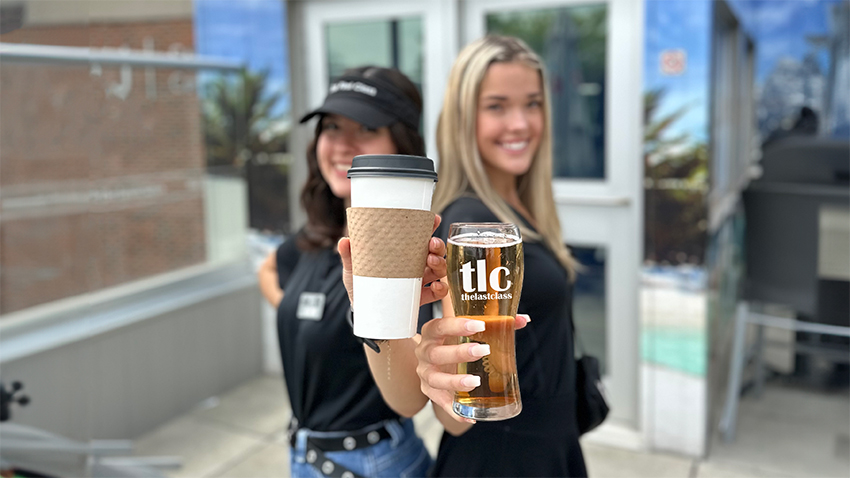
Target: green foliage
(237, 119)
(572, 42)
(654, 137)
(535, 28)
(667, 156)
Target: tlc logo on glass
(478, 291)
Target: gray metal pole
(24, 53)
(736, 368)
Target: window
(571, 42)
(120, 160)
(393, 43)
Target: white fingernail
(471, 381)
(479, 350)
(475, 325)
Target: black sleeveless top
(543, 439)
(327, 376)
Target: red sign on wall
(673, 62)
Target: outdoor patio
(787, 433)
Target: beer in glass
(485, 272)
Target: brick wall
(101, 170)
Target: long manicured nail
(474, 325)
(479, 350)
(526, 317)
(471, 381)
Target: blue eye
(535, 104)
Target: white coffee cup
(388, 307)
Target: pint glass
(485, 271)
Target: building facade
(657, 110)
(103, 178)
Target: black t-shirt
(546, 427)
(328, 379)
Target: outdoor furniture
(797, 256)
(741, 355)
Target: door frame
(439, 47)
(608, 212)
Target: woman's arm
(405, 369)
(394, 369)
(409, 372)
(268, 280)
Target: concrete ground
(786, 433)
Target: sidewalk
(243, 434)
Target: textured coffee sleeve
(389, 243)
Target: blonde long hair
(461, 167)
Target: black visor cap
(368, 101)
(357, 109)
(394, 165)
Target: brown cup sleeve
(389, 243)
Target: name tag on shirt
(311, 306)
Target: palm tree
(237, 120)
(656, 142)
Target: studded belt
(347, 443)
(318, 446)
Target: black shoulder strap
(576, 338)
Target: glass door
(592, 51)
(408, 35)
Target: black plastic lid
(398, 165)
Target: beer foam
(485, 239)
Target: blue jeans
(401, 455)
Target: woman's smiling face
(510, 118)
(340, 141)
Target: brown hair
(325, 211)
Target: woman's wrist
(374, 344)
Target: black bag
(591, 408)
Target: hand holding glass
(485, 272)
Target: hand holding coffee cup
(389, 223)
(432, 289)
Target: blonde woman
(495, 150)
